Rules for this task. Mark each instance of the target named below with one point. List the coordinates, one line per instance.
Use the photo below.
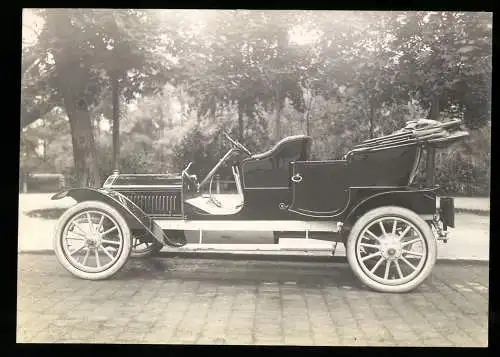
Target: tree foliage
(358, 75)
(78, 51)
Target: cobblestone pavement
(197, 301)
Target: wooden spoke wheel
(92, 240)
(391, 249)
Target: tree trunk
(44, 150)
(169, 123)
(71, 77)
(97, 130)
(241, 128)
(309, 108)
(277, 118)
(435, 110)
(372, 120)
(161, 128)
(116, 120)
(198, 117)
(182, 102)
(84, 151)
(45, 141)
(213, 110)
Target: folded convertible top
(424, 131)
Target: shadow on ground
(242, 272)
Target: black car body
(283, 191)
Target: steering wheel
(237, 144)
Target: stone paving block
(213, 329)
(265, 330)
(239, 340)
(156, 339)
(299, 340)
(240, 330)
(297, 326)
(109, 335)
(127, 337)
(23, 317)
(79, 335)
(324, 339)
(33, 329)
(268, 341)
(349, 329)
(144, 318)
(353, 341)
(160, 331)
(25, 335)
(377, 342)
(211, 340)
(436, 342)
(68, 322)
(50, 334)
(189, 327)
(185, 337)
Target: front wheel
(92, 240)
(391, 249)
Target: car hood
(123, 180)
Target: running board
(290, 244)
(248, 225)
(287, 245)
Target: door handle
(297, 178)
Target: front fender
(133, 215)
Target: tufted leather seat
(279, 145)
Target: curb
(304, 257)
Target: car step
(284, 245)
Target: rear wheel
(391, 249)
(92, 240)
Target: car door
(319, 188)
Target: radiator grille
(156, 203)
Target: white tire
(379, 250)
(100, 234)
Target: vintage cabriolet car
(368, 201)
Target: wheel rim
(391, 250)
(92, 241)
(139, 246)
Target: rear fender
(133, 215)
(422, 202)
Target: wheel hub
(391, 247)
(93, 240)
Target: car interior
(266, 170)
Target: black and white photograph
(254, 177)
